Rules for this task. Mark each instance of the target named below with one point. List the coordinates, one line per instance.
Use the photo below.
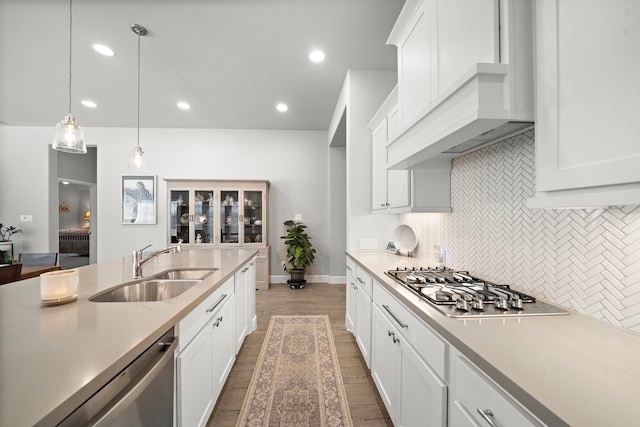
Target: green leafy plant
(300, 251)
(6, 231)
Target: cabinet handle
(217, 303)
(218, 321)
(487, 415)
(360, 280)
(396, 340)
(387, 204)
(348, 268)
(244, 269)
(402, 325)
(391, 333)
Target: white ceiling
(232, 60)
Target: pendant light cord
(70, 39)
(138, 90)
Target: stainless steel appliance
(140, 395)
(458, 294)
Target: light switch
(297, 217)
(26, 218)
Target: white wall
(296, 163)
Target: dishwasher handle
(107, 415)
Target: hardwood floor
(367, 409)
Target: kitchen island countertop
(567, 370)
(54, 358)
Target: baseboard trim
(310, 278)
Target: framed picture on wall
(138, 199)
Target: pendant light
(69, 137)
(135, 160)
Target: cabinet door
(379, 166)
(253, 216)
(195, 386)
(385, 362)
(180, 216)
(586, 108)
(252, 320)
(229, 217)
(223, 342)
(241, 296)
(363, 324)
(203, 219)
(352, 301)
(423, 394)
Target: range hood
(485, 105)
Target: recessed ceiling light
(282, 107)
(88, 103)
(183, 105)
(316, 56)
(103, 50)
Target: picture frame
(138, 198)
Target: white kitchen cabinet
(203, 356)
(412, 392)
(363, 314)
(477, 401)
(244, 295)
(194, 382)
(352, 299)
(223, 341)
(587, 150)
(464, 79)
(423, 189)
(221, 214)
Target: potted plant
(300, 252)
(6, 245)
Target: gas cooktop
(458, 294)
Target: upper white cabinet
(588, 99)
(424, 189)
(465, 76)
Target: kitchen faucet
(138, 261)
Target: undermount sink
(185, 274)
(162, 286)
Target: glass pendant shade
(136, 162)
(69, 136)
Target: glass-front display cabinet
(221, 214)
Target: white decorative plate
(405, 238)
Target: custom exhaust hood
(463, 81)
(486, 105)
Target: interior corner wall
(366, 90)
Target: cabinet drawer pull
(391, 333)
(217, 303)
(244, 269)
(487, 415)
(396, 340)
(348, 268)
(402, 325)
(360, 280)
(218, 321)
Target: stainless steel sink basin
(185, 274)
(166, 285)
(146, 290)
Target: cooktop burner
(458, 294)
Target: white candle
(58, 284)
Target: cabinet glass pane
(229, 217)
(253, 217)
(203, 219)
(179, 212)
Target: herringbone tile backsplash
(585, 260)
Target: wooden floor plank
(367, 409)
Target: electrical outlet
(297, 217)
(368, 244)
(26, 218)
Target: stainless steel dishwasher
(140, 395)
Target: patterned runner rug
(297, 381)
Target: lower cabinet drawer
(477, 398)
(427, 343)
(199, 316)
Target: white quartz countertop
(53, 358)
(567, 370)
